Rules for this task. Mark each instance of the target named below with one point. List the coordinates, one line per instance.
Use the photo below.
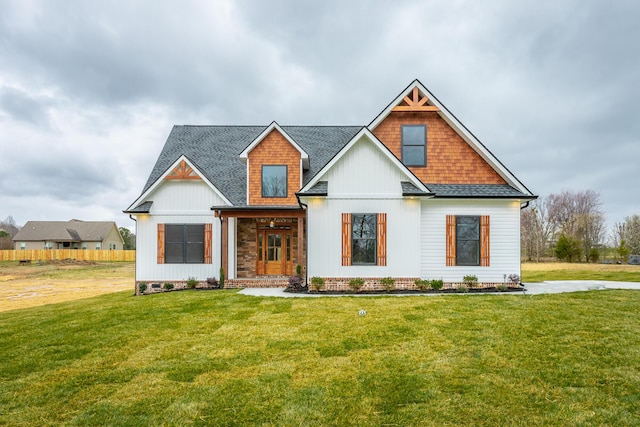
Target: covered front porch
(261, 246)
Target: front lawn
(219, 358)
(539, 272)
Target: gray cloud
(94, 88)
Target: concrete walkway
(551, 287)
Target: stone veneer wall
(247, 247)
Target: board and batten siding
(176, 202)
(363, 181)
(504, 239)
(325, 237)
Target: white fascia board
(366, 133)
(160, 180)
(459, 128)
(275, 126)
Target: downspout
(306, 235)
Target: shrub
(221, 277)
(514, 278)
(389, 283)
(470, 280)
(462, 288)
(502, 287)
(356, 284)
(167, 286)
(423, 285)
(594, 255)
(212, 282)
(192, 283)
(568, 248)
(295, 284)
(437, 284)
(142, 287)
(317, 283)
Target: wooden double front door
(274, 251)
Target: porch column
(301, 242)
(224, 225)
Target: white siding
(325, 237)
(177, 202)
(504, 239)
(363, 172)
(363, 181)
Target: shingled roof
(493, 191)
(64, 231)
(215, 151)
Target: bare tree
(8, 229)
(535, 230)
(579, 216)
(630, 232)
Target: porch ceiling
(258, 212)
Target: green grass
(219, 358)
(540, 272)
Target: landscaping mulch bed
(406, 291)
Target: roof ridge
(255, 126)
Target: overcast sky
(89, 90)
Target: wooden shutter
(484, 241)
(451, 240)
(382, 240)
(208, 236)
(346, 239)
(160, 243)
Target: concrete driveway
(551, 287)
(559, 286)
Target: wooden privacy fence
(60, 254)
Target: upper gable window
(274, 181)
(414, 145)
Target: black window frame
(463, 242)
(286, 181)
(180, 246)
(422, 144)
(355, 248)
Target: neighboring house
(414, 194)
(74, 234)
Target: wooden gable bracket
(415, 103)
(182, 171)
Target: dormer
(275, 166)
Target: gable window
(467, 240)
(364, 239)
(274, 181)
(414, 145)
(184, 244)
